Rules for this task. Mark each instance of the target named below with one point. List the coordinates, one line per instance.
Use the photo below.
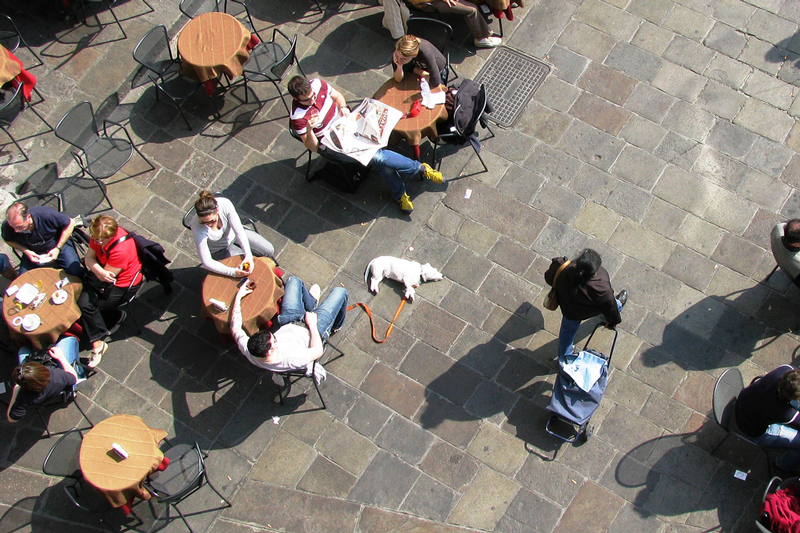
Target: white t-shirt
(210, 241)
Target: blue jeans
(393, 167)
(566, 337)
(780, 436)
(67, 259)
(68, 345)
(297, 300)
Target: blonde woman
(413, 54)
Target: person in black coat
(584, 291)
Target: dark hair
(789, 386)
(206, 204)
(587, 264)
(298, 86)
(31, 376)
(792, 231)
(259, 344)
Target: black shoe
(622, 297)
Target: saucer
(31, 322)
(60, 296)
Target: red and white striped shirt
(322, 103)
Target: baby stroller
(572, 405)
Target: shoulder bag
(551, 300)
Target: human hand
(246, 289)
(345, 111)
(609, 326)
(399, 59)
(451, 3)
(239, 273)
(248, 265)
(311, 319)
(105, 275)
(55, 352)
(33, 256)
(54, 253)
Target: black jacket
(587, 301)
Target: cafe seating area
(627, 147)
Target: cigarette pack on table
(120, 450)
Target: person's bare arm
(238, 334)
(315, 343)
(57, 354)
(14, 393)
(107, 274)
(310, 140)
(66, 233)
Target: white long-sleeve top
(209, 240)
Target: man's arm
(315, 349)
(310, 140)
(238, 334)
(66, 233)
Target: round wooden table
(56, 319)
(257, 309)
(9, 69)
(212, 44)
(118, 479)
(401, 96)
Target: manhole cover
(510, 78)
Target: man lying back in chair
(302, 326)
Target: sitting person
(35, 383)
(293, 346)
(482, 35)
(413, 54)
(115, 274)
(316, 105)
(785, 242)
(41, 234)
(767, 412)
(219, 233)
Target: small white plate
(31, 322)
(17, 322)
(60, 296)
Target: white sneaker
(488, 42)
(315, 291)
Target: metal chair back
(726, 390)
(78, 127)
(153, 50)
(283, 65)
(12, 106)
(192, 8)
(434, 31)
(238, 9)
(62, 460)
(9, 34)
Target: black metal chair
(239, 10)
(62, 460)
(130, 296)
(290, 377)
(449, 133)
(437, 33)
(154, 53)
(100, 155)
(185, 475)
(68, 396)
(12, 107)
(269, 61)
(726, 390)
(323, 154)
(192, 8)
(109, 5)
(11, 38)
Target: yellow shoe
(429, 174)
(405, 203)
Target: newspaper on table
(365, 131)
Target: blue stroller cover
(573, 403)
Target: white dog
(407, 272)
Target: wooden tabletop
(401, 96)
(116, 478)
(56, 319)
(9, 69)
(257, 309)
(212, 44)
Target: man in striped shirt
(315, 107)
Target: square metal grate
(510, 78)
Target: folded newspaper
(365, 131)
(584, 369)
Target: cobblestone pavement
(664, 137)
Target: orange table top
(212, 44)
(401, 96)
(56, 319)
(9, 69)
(257, 309)
(116, 478)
